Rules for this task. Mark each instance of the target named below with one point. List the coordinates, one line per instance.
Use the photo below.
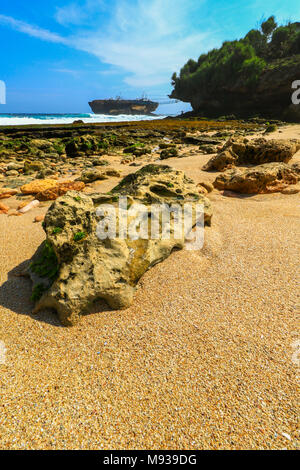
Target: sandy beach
(203, 359)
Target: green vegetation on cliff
(237, 64)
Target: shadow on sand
(16, 292)
(227, 193)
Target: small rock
(14, 166)
(208, 149)
(5, 193)
(60, 190)
(31, 167)
(294, 189)
(12, 173)
(88, 176)
(113, 172)
(271, 128)
(207, 185)
(37, 186)
(171, 152)
(3, 209)
(222, 161)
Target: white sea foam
(20, 120)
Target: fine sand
(203, 359)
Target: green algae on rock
(91, 268)
(239, 151)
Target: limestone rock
(201, 189)
(74, 267)
(171, 152)
(5, 193)
(12, 173)
(220, 162)
(259, 151)
(208, 149)
(206, 185)
(62, 188)
(41, 144)
(112, 172)
(238, 151)
(267, 178)
(137, 151)
(46, 172)
(3, 209)
(14, 166)
(159, 184)
(31, 167)
(89, 176)
(85, 144)
(296, 167)
(293, 189)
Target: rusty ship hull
(131, 107)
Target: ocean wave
(28, 119)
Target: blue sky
(56, 55)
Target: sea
(88, 118)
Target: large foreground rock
(241, 151)
(268, 178)
(73, 268)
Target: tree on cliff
(268, 26)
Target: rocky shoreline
(38, 166)
(202, 355)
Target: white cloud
(148, 64)
(71, 14)
(78, 13)
(146, 39)
(32, 30)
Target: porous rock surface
(38, 186)
(85, 268)
(267, 178)
(239, 151)
(59, 190)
